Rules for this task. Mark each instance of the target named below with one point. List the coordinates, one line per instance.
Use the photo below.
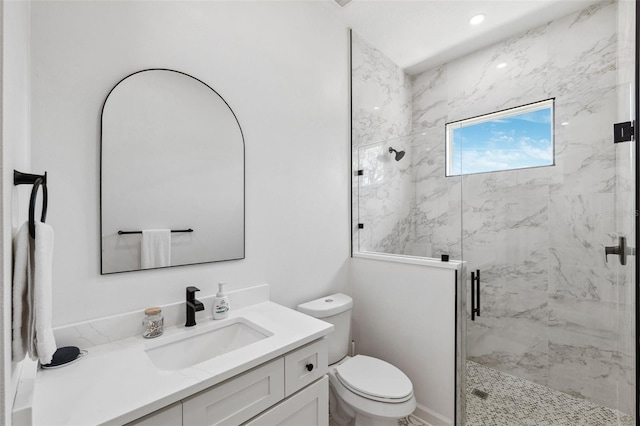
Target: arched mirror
(172, 174)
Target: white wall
(15, 150)
(281, 66)
(405, 314)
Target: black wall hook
(37, 181)
(20, 178)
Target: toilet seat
(374, 379)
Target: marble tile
(381, 95)
(582, 50)
(577, 263)
(585, 372)
(626, 314)
(626, 26)
(583, 221)
(626, 384)
(585, 156)
(476, 86)
(514, 345)
(429, 99)
(584, 348)
(385, 197)
(428, 147)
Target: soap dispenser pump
(221, 304)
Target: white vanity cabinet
(289, 390)
(309, 407)
(237, 400)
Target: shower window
(516, 138)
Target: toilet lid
(374, 377)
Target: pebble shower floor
(512, 401)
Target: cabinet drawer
(305, 365)
(238, 399)
(309, 407)
(168, 416)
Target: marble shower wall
(553, 311)
(383, 195)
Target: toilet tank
(334, 309)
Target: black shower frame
(637, 208)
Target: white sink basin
(187, 347)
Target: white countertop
(116, 382)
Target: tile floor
(512, 401)
(410, 421)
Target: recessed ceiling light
(424, 134)
(564, 123)
(376, 108)
(501, 65)
(477, 19)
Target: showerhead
(399, 154)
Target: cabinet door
(168, 416)
(309, 407)
(305, 365)
(238, 399)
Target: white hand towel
(33, 295)
(42, 272)
(155, 248)
(21, 300)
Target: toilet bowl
(368, 391)
(363, 390)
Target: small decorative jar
(153, 323)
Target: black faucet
(193, 306)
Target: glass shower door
(548, 314)
(385, 197)
(553, 338)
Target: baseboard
(430, 417)
(22, 410)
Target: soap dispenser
(221, 304)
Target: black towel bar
(140, 232)
(37, 181)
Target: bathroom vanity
(264, 365)
(289, 390)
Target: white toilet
(364, 391)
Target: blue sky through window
(504, 143)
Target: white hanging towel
(33, 295)
(155, 248)
(21, 307)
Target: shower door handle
(475, 294)
(621, 250)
